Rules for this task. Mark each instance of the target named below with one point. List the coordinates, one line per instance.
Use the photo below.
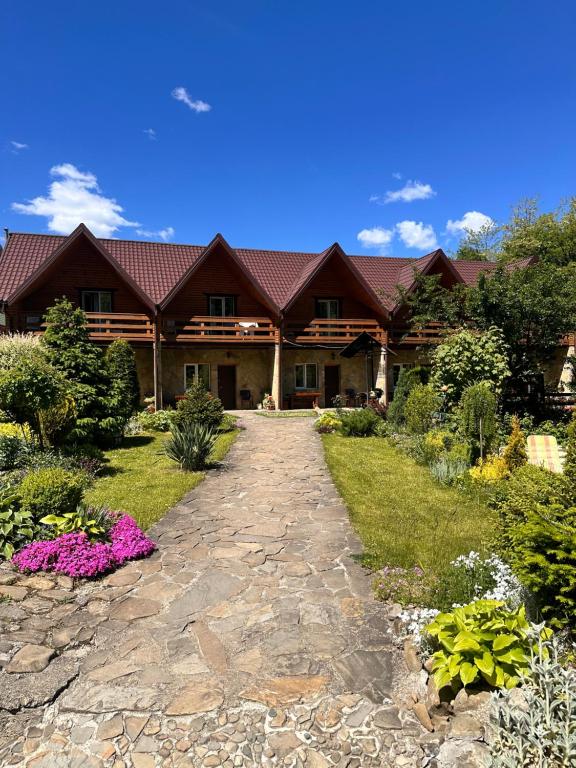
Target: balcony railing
(432, 333)
(214, 329)
(330, 331)
(103, 326)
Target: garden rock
(30, 658)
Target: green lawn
(141, 480)
(403, 517)
(309, 412)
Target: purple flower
(73, 554)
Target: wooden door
(331, 384)
(227, 386)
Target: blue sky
(296, 124)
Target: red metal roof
(158, 267)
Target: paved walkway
(250, 638)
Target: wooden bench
(303, 399)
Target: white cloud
(397, 175)
(377, 237)
(196, 105)
(74, 197)
(472, 221)
(412, 190)
(151, 133)
(415, 234)
(18, 146)
(165, 234)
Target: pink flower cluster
(73, 554)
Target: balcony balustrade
(331, 331)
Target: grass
(310, 413)
(403, 517)
(140, 480)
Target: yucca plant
(190, 445)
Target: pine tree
(124, 395)
(570, 459)
(70, 350)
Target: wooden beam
(157, 353)
(277, 369)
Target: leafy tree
(466, 358)
(480, 245)
(27, 389)
(570, 458)
(430, 301)
(124, 395)
(534, 307)
(550, 237)
(70, 350)
(478, 418)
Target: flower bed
(73, 554)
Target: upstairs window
(194, 372)
(328, 309)
(306, 376)
(96, 301)
(222, 306)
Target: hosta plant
(482, 643)
(16, 525)
(93, 521)
(538, 726)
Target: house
(244, 321)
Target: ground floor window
(196, 372)
(306, 375)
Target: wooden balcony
(323, 331)
(103, 326)
(211, 330)
(432, 333)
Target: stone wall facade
(254, 368)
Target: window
(96, 301)
(306, 376)
(328, 309)
(196, 372)
(221, 306)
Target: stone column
(277, 370)
(382, 375)
(567, 375)
(157, 354)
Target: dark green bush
(199, 407)
(51, 491)
(422, 404)
(155, 421)
(360, 423)
(408, 379)
(190, 445)
(10, 451)
(536, 534)
(124, 391)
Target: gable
(335, 278)
(217, 273)
(79, 266)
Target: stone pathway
(249, 639)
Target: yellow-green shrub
(490, 470)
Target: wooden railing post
(277, 370)
(157, 354)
